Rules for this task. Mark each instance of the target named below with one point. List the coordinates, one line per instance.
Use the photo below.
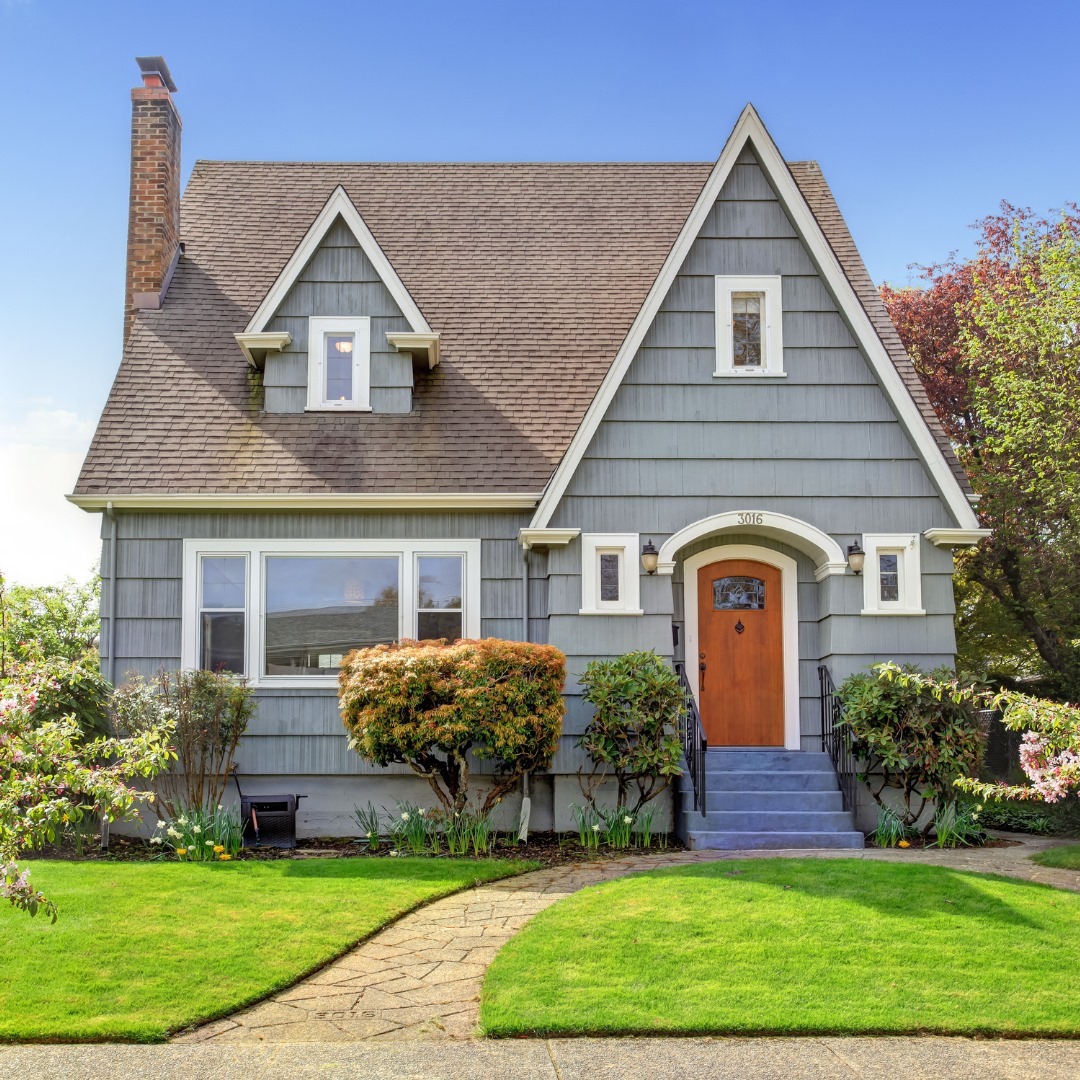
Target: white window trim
(772, 329)
(906, 545)
(257, 551)
(592, 546)
(200, 607)
(318, 328)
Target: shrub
(209, 712)
(633, 735)
(50, 777)
(957, 826)
(429, 705)
(911, 736)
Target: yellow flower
(218, 849)
(66, 818)
(904, 843)
(181, 851)
(225, 857)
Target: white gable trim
(338, 204)
(749, 128)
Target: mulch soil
(548, 849)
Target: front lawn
(799, 946)
(1063, 858)
(143, 949)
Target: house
(360, 401)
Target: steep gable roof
(532, 274)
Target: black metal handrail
(694, 742)
(836, 738)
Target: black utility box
(269, 820)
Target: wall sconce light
(856, 557)
(649, 557)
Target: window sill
(285, 682)
(611, 611)
(892, 611)
(749, 374)
(337, 408)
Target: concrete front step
(748, 841)
(764, 760)
(785, 780)
(763, 821)
(801, 801)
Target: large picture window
(318, 608)
(286, 612)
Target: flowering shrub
(208, 712)
(911, 735)
(50, 777)
(429, 705)
(1050, 748)
(637, 704)
(199, 835)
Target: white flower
(404, 817)
(422, 811)
(174, 833)
(196, 829)
(220, 807)
(596, 828)
(393, 854)
(209, 843)
(161, 824)
(155, 839)
(628, 821)
(181, 821)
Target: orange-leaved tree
(429, 705)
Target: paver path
(420, 978)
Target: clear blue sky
(923, 117)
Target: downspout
(526, 802)
(111, 515)
(111, 674)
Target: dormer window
(339, 363)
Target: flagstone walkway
(420, 978)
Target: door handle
(701, 677)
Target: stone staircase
(767, 799)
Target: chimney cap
(155, 65)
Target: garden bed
(545, 848)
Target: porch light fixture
(649, 557)
(856, 557)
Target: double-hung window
(749, 327)
(892, 579)
(286, 612)
(339, 363)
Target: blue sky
(923, 117)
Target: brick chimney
(153, 246)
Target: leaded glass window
(609, 576)
(889, 577)
(746, 312)
(738, 593)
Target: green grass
(794, 946)
(1063, 858)
(143, 949)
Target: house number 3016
(751, 519)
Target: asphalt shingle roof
(531, 273)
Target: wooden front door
(740, 653)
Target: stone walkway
(420, 978)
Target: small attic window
(339, 364)
(749, 327)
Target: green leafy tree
(996, 339)
(431, 706)
(48, 637)
(633, 736)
